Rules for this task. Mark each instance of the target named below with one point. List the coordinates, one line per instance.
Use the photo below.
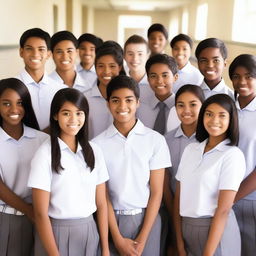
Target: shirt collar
(64, 146)
(222, 146)
(27, 79)
(79, 68)
(218, 88)
(169, 101)
(250, 107)
(179, 133)
(186, 68)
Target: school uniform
(79, 83)
(221, 87)
(189, 74)
(16, 230)
(245, 209)
(129, 175)
(72, 197)
(88, 75)
(177, 141)
(99, 115)
(201, 176)
(41, 94)
(147, 112)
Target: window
(184, 25)
(201, 22)
(244, 19)
(173, 27)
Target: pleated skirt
(74, 237)
(195, 233)
(16, 235)
(245, 211)
(130, 226)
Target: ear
(107, 103)
(225, 62)
(49, 54)
(138, 103)
(55, 117)
(21, 52)
(176, 76)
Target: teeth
(210, 72)
(35, 61)
(73, 126)
(160, 87)
(134, 64)
(65, 62)
(180, 57)
(123, 113)
(107, 77)
(14, 116)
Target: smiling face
(211, 64)
(216, 121)
(181, 52)
(161, 80)
(156, 42)
(87, 54)
(244, 84)
(123, 105)
(106, 69)
(64, 55)
(11, 109)
(34, 54)
(71, 119)
(136, 56)
(188, 106)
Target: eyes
(180, 105)
(211, 114)
(238, 77)
(206, 61)
(155, 76)
(30, 49)
(110, 65)
(60, 51)
(69, 114)
(117, 101)
(9, 104)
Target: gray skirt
(245, 211)
(195, 233)
(129, 227)
(74, 237)
(16, 235)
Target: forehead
(187, 96)
(135, 47)
(159, 68)
(216, 108)
(241, 70)
(182, 43)
(156, 34)
(106, 59)
(10, 94)
(210, 52)
(64, 44)
(87, 44)
(69, 106)
(35, 42)
(123, 93)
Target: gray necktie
(160, 122)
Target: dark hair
(181, 37)
(120, 82)
(194, 89)
(78, 99)
(228, 104)
(115, 50)
(158, 27)
(247, 61)
(163, 59)
(136, 39)
(87, 37)
(212, 43)
(61, 36)
(18, 86)
(35, 32)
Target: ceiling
(136, 5)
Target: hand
(127, 247)
(139, 246)
(182, 252)
(29, 211)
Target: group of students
(149, 158)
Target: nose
(242, 80)
(106, 70)
(210, 63)
(14, 108)
(159, 79)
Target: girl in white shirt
(208, 177)
(68, 175)
(242, 72)
(19, 138)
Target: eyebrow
(127, 97)
(41, 46)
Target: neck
(213, 142)
(244, 101)
(14, 131)
(68, 76)
(103, 90)
(125, 128)
(163, 97)
(137, 75)
(70, 141)
(213, 83)
(86, 66)
(37, 75)
(189, 130)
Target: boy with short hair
(35, 51)
(87, 45)
(64, 52)
(136, 177)
(158, 112)
(157, 38)
(181, 51)
(211, 55)
(136, 54)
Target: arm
(102, 211)
(125, 246)
(177, 222)
(10, 198)
(225, 202)
(247, 186)
(156, 191)
(41, 203)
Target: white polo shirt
(220, 88)
(247, 138)
(129, 161)
(89, 76)
(177, 141)
(189, 74)
(147, 112)
(202, 175)
(72, 191)
(15, 158)
(100, 117)
(79, 83)
(42, 94)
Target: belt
(9, 210)
(128, 212)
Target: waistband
(129, 212)
(10, 210)
(71, 222)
